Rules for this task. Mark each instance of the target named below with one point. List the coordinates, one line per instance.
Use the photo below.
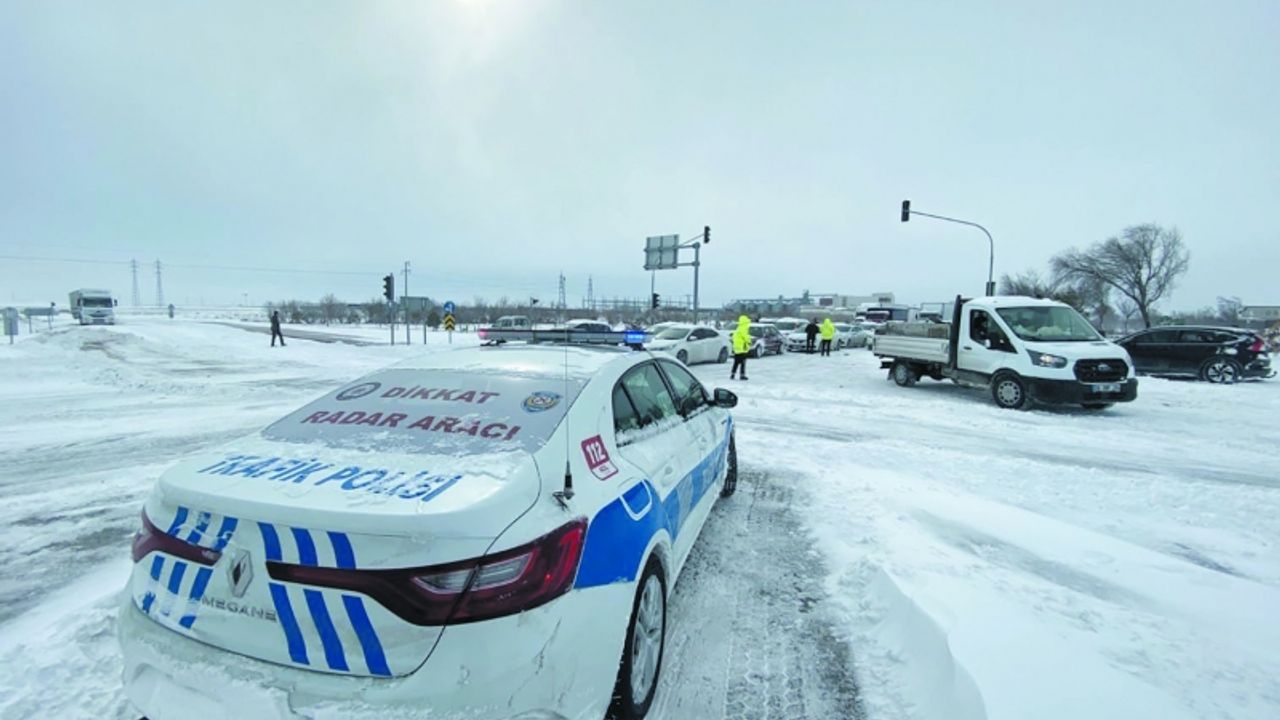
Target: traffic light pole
(991, 244)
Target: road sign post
(449, 322)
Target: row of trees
(1124, 276)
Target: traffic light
(906, 210)
(654, 302)
(706, 234)
(389, 287)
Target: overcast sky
(495, 143)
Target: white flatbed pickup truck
(1024, 350)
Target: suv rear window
(431, 411)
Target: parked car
(513, 322)
(1213, 354)
(765, 340)
(393, 546)
(588, 326)
(692, 344)
(844, 335)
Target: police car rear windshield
(427, 411)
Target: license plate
(1106, 388)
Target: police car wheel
(731, 475)
(642, 654)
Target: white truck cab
(1025, 350)
(93, 307)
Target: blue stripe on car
(202, 524)
(616, 542)
(306, 548)
(225, 531)
(178, 520)
(374, 658)
(288, 623)
(197, 592)
(342, 552)
(270, 542)
(328, 635)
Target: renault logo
(240, 573)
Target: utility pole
(159, 287)
(591, 295)
(406, 302)
(137, 297)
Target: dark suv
(1215, 354)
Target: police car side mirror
(725, 399)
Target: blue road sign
(449, 307)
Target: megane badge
(240, 573)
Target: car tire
(731, 473)
(648, 626)
(683, 357)
(903, 375)
(1220, 371)
(757, 351)
(724, 356)
(1096, 406)
(1009, 391)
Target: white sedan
(692, 344)
(481, 533)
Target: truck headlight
(1047, 360)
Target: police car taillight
(504, 583)
(151, 539)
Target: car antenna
(564, 496)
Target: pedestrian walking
(810, 335)
(828, 335)
(275, 328)
(741, 347)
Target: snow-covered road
(910, 553)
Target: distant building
(1259, 316)
(807, 302)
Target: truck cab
(93, 307)
(1025, 350)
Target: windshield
(418, 411)
(756, 331)
(95, 302)
(1048, 324)
(675, 333)
(788, 325)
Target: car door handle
(966, 347)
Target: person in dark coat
(810, 334)
(275, 328)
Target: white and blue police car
(490, 532)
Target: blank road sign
(662, 252)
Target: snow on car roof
(577, 361)
(1018, 301)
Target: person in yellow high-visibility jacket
(741, 347)
(828, 331)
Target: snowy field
(969, 562)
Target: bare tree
(331, 309)
(1142, 264)
(1028, 283)
(1229, 309)
(1127, 309)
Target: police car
(484, 533)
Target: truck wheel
(1220, 371)
(1009, 392)
(903, 374)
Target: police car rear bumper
(550, 663)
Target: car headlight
(1047, 360)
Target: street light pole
(991, 244)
